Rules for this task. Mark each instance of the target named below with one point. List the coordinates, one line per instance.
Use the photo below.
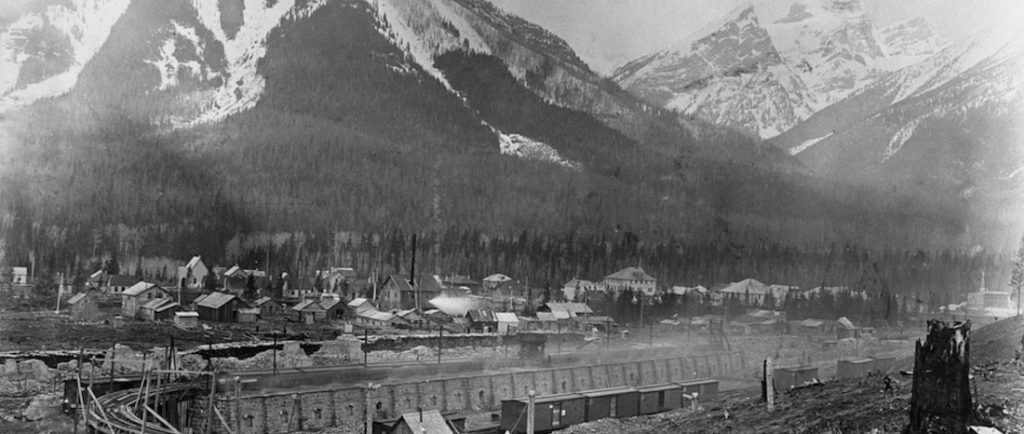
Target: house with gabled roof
(334, 308)
(268, 306)
(192, 274)
(219, 306)
(139, 294)
(158, 309)
(83, 307)
(309, 311)
(482, 321)
(630, 278)
(397, 293)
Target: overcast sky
(607, 33)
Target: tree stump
(941, 395)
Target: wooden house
(482, 321)
(269, 306)
(83, 307)
(219, 306)
(334, 308)
(423, 421)
(139, 294)
(193, 274)
(309, 311)
(160, 309)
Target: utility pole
(440, 340)
(60, 289)
(238, 404)
(530, 411)
(369, 409)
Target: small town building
(397, 293)
(481, 321)
(19, 276)
(495, 281)
(235, 280)
(508, 323)
(158, 309)
(575, 310)
(546, 321)
(423, 421)
(378, 319)
(219, 307)
(192, 275)
(436, 316)
(411, 317)
(309, 311)
(139, 294)
(575, 289)
(360, 305)
(846, 329)
(248, 314)
(987, 300)
(340, 280)
(83, 308)
(631, 278)
(186, 319)
(334, 308)
(269, 306)
(111, 283)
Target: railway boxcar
(550, 412)
(704, 387)
(788, 378)
(612, 402)
(659, 398)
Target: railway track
(114, 413)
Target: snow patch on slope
(168, 65)
(899, 139)
(243, 85)
(416, 27)
(87, 23)
(808, 143)
(529, 149)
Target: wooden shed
(220, 307)
(659, 398)
(186, 320)
(612, 402)
(551, 412)
(83, 307)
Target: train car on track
(704, 387)
(551, 412)
(562, 410)
(612, 402)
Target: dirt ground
(854, 405)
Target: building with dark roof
(219, 306)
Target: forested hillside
(353, 147)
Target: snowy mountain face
(950, 124)
(779, 65)
(42, 52)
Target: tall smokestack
(412, 274)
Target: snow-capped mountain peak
(776, 63)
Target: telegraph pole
(530, 412)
